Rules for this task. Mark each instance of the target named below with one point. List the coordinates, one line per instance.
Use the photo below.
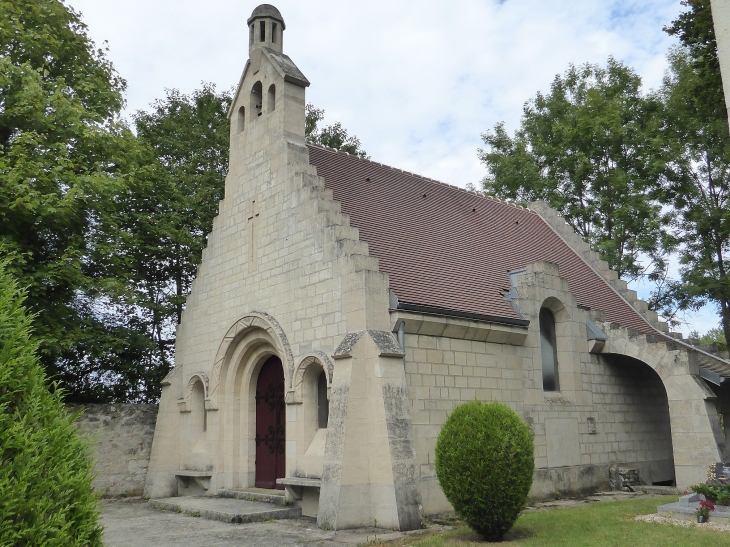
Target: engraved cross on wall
(252, 222)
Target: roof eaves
(445, 312)
(238, 88)
(286, 67)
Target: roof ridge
(423, 177)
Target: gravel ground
(684, 523)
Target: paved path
(131, 523)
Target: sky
(418, 82)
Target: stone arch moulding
(697, 437)
(556, 307)
(294, 394)
(252, 321)
(183, 404)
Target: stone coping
(455, 327)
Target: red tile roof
(446, 247)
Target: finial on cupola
(266, 28)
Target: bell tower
(268, 106)
(266, 29)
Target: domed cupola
(266, 28)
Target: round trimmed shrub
(46, 496)
(484, 463)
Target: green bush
(716, 492)
(484, 463)
(46, 497)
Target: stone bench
(300, 481)
(201, 478)
(304, 490)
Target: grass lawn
(590, 525)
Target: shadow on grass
(467, 537)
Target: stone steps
(262, 495)
(234, 511)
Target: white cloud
(417, 82)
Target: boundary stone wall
(122, 439)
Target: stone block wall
(122, 439)
(618, 414)
(442, 373)
(632, 415)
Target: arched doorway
(635, 401)
(270, 425)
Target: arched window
(256, 99)
(323, 405)
(241, 119)
(548, 351)
(271, 99)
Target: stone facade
(721, 22)
(286, 275)
(121, 436)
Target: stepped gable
(446, 247)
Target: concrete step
(658, 490)
(224, 509)
(255, 494)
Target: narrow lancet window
(273, 33)
(241, 119)
(548, 351)
(250, 35)
(262, 31)
(256, 100)
(323, 405)
(271, 99)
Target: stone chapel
(343, 308)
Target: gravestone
(718, 472)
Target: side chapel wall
(608, 411)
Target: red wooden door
(270, 425)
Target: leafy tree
(63, 156)
(696, 32)
(170, 209)
(698, 177)
(334, 136)
(714, 336)
(46, 496)
(589, 148)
